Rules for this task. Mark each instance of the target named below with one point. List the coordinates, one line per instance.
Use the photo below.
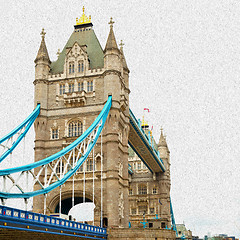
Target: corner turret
(42, 60)
(42, 68)
(112, 64)
(111, 51)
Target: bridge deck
(143, 147)
(24, 221)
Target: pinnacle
(162, 140)
(111, 41)
(42, 52)
(123, 57)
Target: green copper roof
(82, 37)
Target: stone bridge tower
(72, 91)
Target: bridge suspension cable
(45, 173)
(9, 142)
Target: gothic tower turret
(112, 64)
(42, 68)
(72, 91)
(165, 181)
(117, 131)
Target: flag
(159, 201)
(147, 109)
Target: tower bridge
(89, 147)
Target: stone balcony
(75, 98)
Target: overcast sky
(184, 58)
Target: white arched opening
(83, 211)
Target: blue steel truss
(27, 123)
(95, 129)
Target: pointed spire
(121, 45)
(42, 52)
(111, 41)
(58, 52)
(123, 57)
(162, 141)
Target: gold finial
(144, 123)
(121, 44)
(161, 130)
(83, 19)
(58, 52)
(43, 33)
(111, 22)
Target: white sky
(184, 58)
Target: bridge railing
(53, 221)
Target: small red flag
(147, 109)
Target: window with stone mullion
(80, 86)
(71, 87)
(75, 129)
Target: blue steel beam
(28, 123)
(173, 219)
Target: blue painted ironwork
(147, 142)
(130, 169)
(54, 225)
(173, 219)
(99, 121)
(27, 123)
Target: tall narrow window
(70, 68)
(73, 68)
(62, 89)
(90, 86)
(80, 66)
(75, 129)
(89, 165)
(54, 133)
(71, 87)
(80, 86)
(139, 165)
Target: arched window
(75, 129)
(80, 66)
(71, 67)
(142, 189)
(80, 86)
(71, 87)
